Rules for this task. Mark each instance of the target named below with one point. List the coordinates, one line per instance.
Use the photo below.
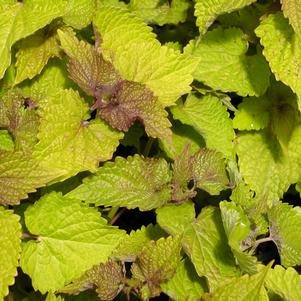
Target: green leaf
(284, 282)
(185, 285)
(10, 248)
(157, 263)
(154, 11)
(285, 222)
(292, 10)
(20, 20)
(279, 41)
(53, 297)
(132, 182)
(68, 143)
(210, 118)
(131, 245)
(108, 279)
(267, 168)
(34, 53)
(234, 71)
(206, 244)
(67, 232)
(238, 228)
(6, 141)
(207, 11)
(79, 13)
(174, 218)
(209, 171)
(139, 57)
(245, 288)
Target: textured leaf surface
(209, 171)
(132, 182)
(152, 11)
(238, 227)
(285, 223)
(10, 248)
(284, 282)
(233, 71)
(34, 53)
(174, 218)
(278, 167)
(131, 245)
(185, 285)
(21, 20)
(292, 10)
(207, 11)
(282, 50)
(6, 141)
(206, 244)
(245, 288)
(68, 232)
(68, 143)
(165, 71)
(211, 119)
(157, 262)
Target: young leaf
(234, 71)
(20, 20)
(53, 297)
(292, 10)
(157, 263)
(211, 119)
(284, 230)
(206, 244)
(245, 288)
(207, 11)
(68, 143)
(284, 282)
(139, 57)
(209, 171)
(67, 232)
(10, 248)
(280, 41)
(132, 182)
(131, 245)
(174, 218)
(34, 53)
(185, 285)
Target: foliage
(150, 148)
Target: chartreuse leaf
(156, 263)
(120, 102)
(67, 232)
(279, 41)
(266, 167)
(205, 242)
(67, 142)
(108, 279)
(174, 218)
(53, 297)
(285, 222)
(185, 285)
(210, 118)
(132, 182)
(207, 11)
(131, 245)
(34, 53)
(238, 227)
(154, 11)
(244, 288)
(79, 13)
(209, 171)
(10, 248)
(139, 57)
(292, 10)
(284, 282)
(21, 20)
(6, 141)
(234, 71)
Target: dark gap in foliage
(135, 219)
(267, 251)
(292, 196)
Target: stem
(258, 242)
(148, 147)
(112, 212)
(116, 217)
